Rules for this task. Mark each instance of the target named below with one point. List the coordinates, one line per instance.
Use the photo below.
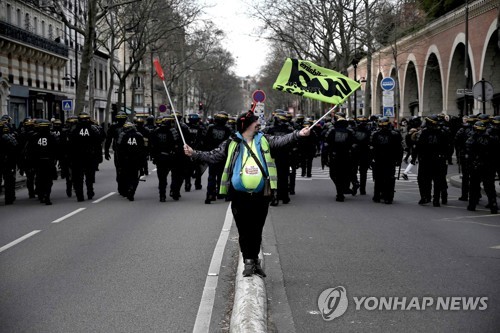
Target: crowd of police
(348, 147)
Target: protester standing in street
(244, 179)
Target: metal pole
(76, 50)
(483, 96)
(466, 65)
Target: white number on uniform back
(132, 142)
(84, 132)
(42, 141)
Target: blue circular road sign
(387, 83)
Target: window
(51, 32)
(43, 28)
(19, 22)
(9, 13)
(27, 25)
(138, 100)
(101, 86)
(35, 25)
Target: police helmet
(479, 126)
(72, 119)
(362, 119)
(431, 120)
(57, 122)
(231, 121)
(42, 123)
(300, 117)
(139, 120)
(496, 120)
(128, 124)
(193, 118)
(221, 117)
(384, 121)
(121, 115)
(84, 116)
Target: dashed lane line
(104, 197)
(19, 240)
(68, 215)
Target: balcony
(31, 39)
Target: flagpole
(159, 71)
(326, 114)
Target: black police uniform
(216, 134)
(131, 154)
(84, 155)
(387, 151)
(340, 139)
(166, 147)
(431, 149)
(8, 158)
(42, 153)
(480, 150)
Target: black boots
(252, 266)
(249, 267)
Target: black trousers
(250, 212)
(83, 170)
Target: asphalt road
(120, 266)
(378, 250)
(113, 266)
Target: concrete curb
(456, 181)
(250, 303)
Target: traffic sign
(67, 105)
(388, 111)
(387, 83)
(259, 96)
(477, 91)
(462, 92)
(162, 108)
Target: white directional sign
(67, 105)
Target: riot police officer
(8, 158)
(480, 154)
(84, 154)
(165, 146)
(42, 151)
(131, 154)
(216, 133)
(24, 133)
(111, 140)
(281, 127)
(194, 169)
(431, 150)
(387, 152)
(146, 132)
(339, 140)
(361, 154)
(460, 138)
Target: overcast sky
(230, 16)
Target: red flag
(159, 71)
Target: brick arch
(490, 59)
(432, 83)
(456, 75)
(410, 91)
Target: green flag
(304, 78)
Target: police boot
(249, 267)
(47, 200)
(494, 208)
(258, 269)
(90, 194)
(187, 187)
(175, 195)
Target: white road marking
(495, 247)
(204, 315)
(104, 197)
(68, 215)
(19, 240)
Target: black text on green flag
(304, 78)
